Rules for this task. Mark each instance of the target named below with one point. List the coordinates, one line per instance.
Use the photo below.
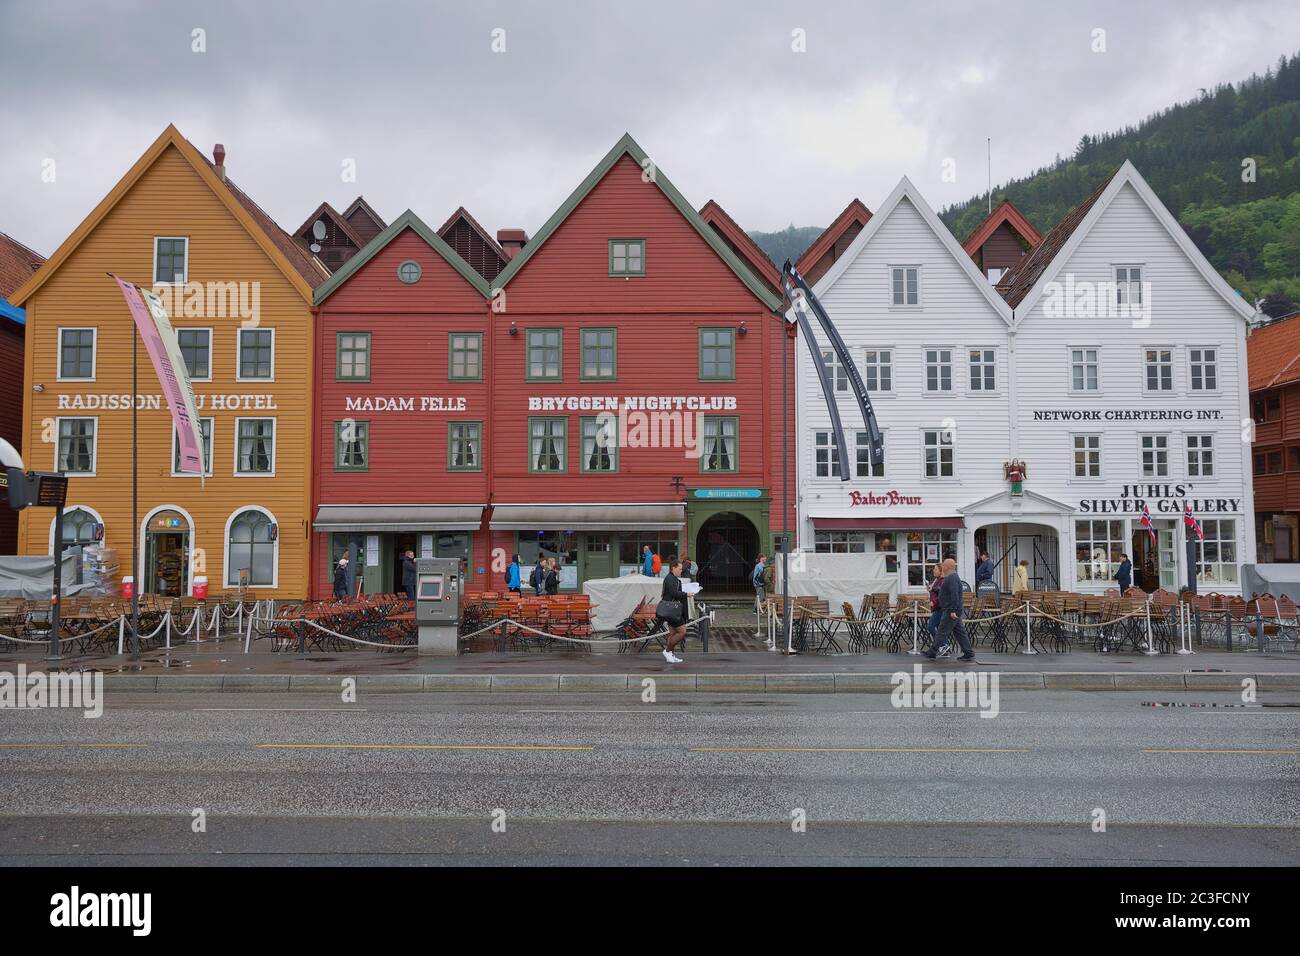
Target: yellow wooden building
(239, 292)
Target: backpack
(538, 578)
(507, 575)
(656, 565)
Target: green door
(598, 557)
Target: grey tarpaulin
(33, 577)
(1278, 580)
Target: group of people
(544, 578)
(652, 566)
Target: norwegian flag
(1146, 523)
(1190, 521)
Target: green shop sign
(728, 493)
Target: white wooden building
(1111, 362)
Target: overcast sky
(434, 118)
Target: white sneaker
(671, 658)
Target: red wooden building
(999, 242)
(1273, 362)
(617, 385)
(17, 263)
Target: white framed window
(983, 369)
(836, 371)
(205, 429)
(1159, 365)
(938, 454)
(1087, 456)
(1155, 456)
(1085, 369)
(938, 370)
(995, 275)
(76, 450)
(841, 542)
(255, 446)
(1217, 554)
(1200, 456)
(76, 355)
(255, 358)
(251, 545)
(826, 460)
(1098, 546)
(79, 525)
(905, 286)
(1128, 285)
(196, 350)
(864, 468)
(1203, 369)
(171, 260)
(878, 370)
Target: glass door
(1168, 555)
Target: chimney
(512, 240)
(219, 156)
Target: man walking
(1124, 575)
(647, 561)
(408, 574)
(951, 622)
(984, 572)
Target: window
(1266, 409)
(905, 285)
(196, 350)
(630, 543)
(1128, 285)
(1087, 456)
(1083, 370)
(600, 443)
(1200, 456)
(922, 546)
(548, 444)
(835, 371)
(76, 354)
(251, 548)
(1293, 458)
(78, 527)
(1268, 462)
(545, 354)
(76, 451)
(1218, 552)
(627, 257)
(1204, 369)
(1098, 546)
(205, 430)
(464, 444)
(982, 364)
(465, 356)
(721, 444)
(938, 370)
(717, 355)
(170, 259)
(255, 446)
(826, 460)
(256, 354)
(1155, 456)
(409, 272)
(599, 353)
(1160, 370)
(353, 357)
(841, 542)
(351, 445)
(877, 370)
(865, 469)
(938, 454)
(995, 275)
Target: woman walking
(672, 609)
(552, 578)
(935, 614)
(1020, 580)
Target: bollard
(121, 631)
(1197, 611)
(167, 623)
(197, 624)
(704, 631)
(302, 636)
(1151, 644)
(915, 609)
(1259, 629)
(1029, 640)
(1227, 620)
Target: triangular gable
(359, 205)
(492, 257)
(755, 258)
(855, 214)
(325, 209)
(224, 192)
(407, 220)
(1004, 212)
(1096, 205)
(997, 503)
(628, 146)
(903, 190)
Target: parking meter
(437, 605)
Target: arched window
(250, 547)
(78, 527)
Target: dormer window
(171, 260)
(627, 257)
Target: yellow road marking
(416, 747)
(1211, 751)
(864, 750)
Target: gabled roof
(628, 146)
(855, 213)
(754, 257)
(407, 220)
(906, 190)
(360, 204)
(17, 264)
(463, 213)
(1049, 257)
(491, 256)
(1273, 354)
(301, 270)
(325, 209)
(1004, 212)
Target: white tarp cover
(615, 598)
(1279, 580)
(837, 577)
(32, 578)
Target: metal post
(57, 595)
(136, 576)
(916, 649)
(1029, 639)
(302, 636)
(1151, 643)
(1259, 629)
(785, 490)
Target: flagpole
(136, 574)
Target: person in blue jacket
(513, 574)
(647, 561)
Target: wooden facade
(242, 274)
(17, 263)
(1273, 352)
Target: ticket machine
(437, 605)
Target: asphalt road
(692, 779)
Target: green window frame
(627, 257)
(599, 459)
(465, 356)
(76, 355)
(465, 441)
(205, 432)
(599, 353)
(717, 354)
(544, 351)
(548, 445)
(196, 350)
(352, 454)
(256, 355)
(721, 445)
(352, 357)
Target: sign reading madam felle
(1167, 499)
(405, 403)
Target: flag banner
(1189, 519)
(819, 364)
(1146, 523)
(155, 328)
